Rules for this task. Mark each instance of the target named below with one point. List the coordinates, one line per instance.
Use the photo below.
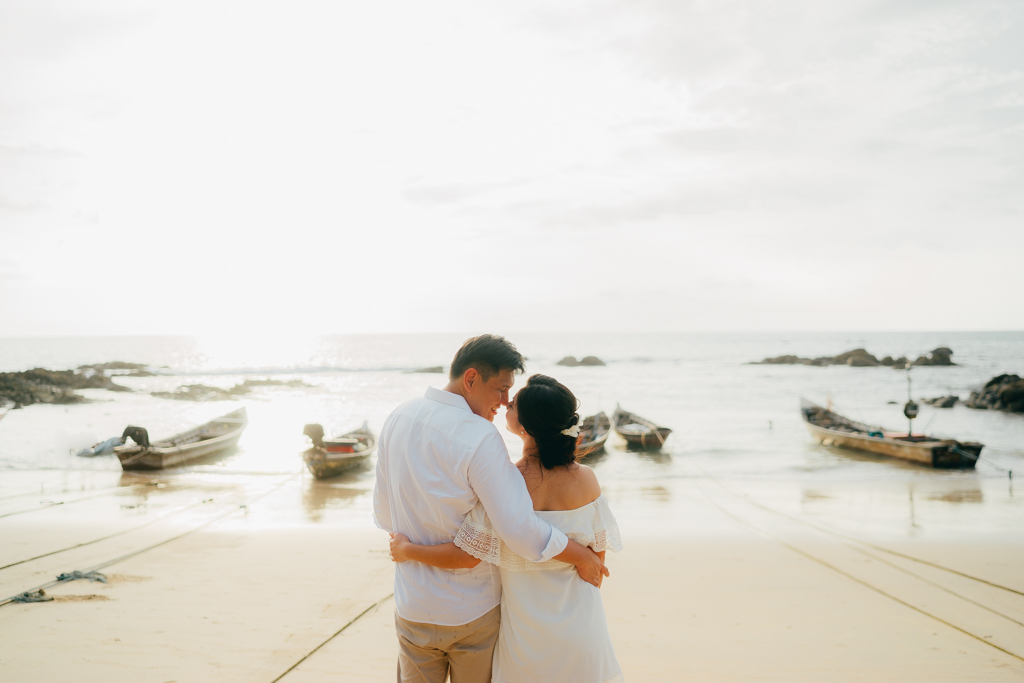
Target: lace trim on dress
(477, 538)
(480, 542)
(484, 544)
(605, 539)
(617, 678)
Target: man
(437, 456)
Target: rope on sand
(116, 533)
(333, 636)
(76, 575)
(33, 596)
(839, 571)
(860, 581)
(72, 576)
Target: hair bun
(547, 410)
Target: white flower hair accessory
(573, 431)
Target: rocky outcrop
(941, 401)
(860, 358)
(571, 362)
(432, 370)
(939, 356)
(51, 386)
(1004, 392)
(133, 369)
(856, 357)
(204, 392)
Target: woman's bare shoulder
(587, 488)
(590, 479)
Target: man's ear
(470, 378)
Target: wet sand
(718, 581)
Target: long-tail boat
(639, 432)
(832, 429)
(211, 437)
(330, 457)
(594, 431)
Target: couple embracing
(499, 565)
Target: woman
(553, 626)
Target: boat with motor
(208, 438)
(331, 457)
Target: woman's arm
(445, 555)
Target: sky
(644, 165)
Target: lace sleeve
(606, 529)
(477, 537)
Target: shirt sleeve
(381, 497)
(502, 491)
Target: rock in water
(860, 358)
(1003, 392)
(941, 401)
(571, 362)
(52, 386)
(434, 369)
(939, 356)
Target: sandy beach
(718, 581)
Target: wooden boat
(594, 431)
(330, 457)
(214, 436)
(637, 431)
(832, 429)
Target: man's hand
(398, 545)
(588, 563)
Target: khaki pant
(427, 653)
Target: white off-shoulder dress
(553, 626)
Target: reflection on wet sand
(809, 496)
(960, 495)
(340, 492)
(659, 494)
(142, 487)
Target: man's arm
(501, 489)
(381, 499)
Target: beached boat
(211, 437)
(594, 431)
(832, 429)
(637, 431)
(330, 457)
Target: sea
(732, 420)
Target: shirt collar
(447, 397)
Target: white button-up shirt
(435, 460)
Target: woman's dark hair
(546, 407)
(488, 354)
